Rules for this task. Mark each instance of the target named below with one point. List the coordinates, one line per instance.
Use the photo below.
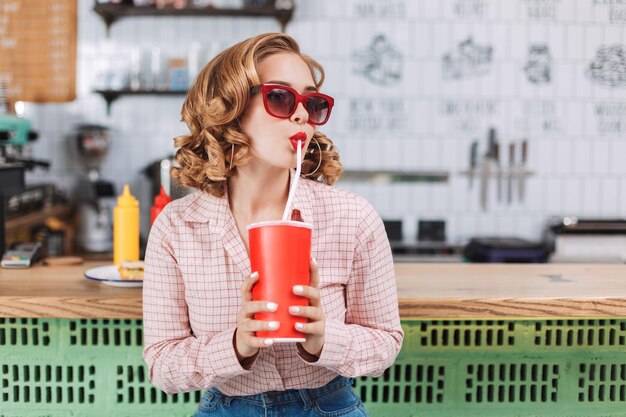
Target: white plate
(110, 275)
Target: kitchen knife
(509, 189)
(498, 169)
(522, 172)
(473, 163)
(485, 173)
(491, 148)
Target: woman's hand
(316, 327)
(246, 344)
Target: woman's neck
(258, 194)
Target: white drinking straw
(294, 184)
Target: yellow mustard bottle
(126, 228)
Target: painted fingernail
(268, 342)
(299, 326)
(294, 310)
(272, 306)
(298, 289)
(254, 275)
(273, 325)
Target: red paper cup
(280, 252)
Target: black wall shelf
(110, 13)
(111, 95)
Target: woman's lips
(294, 143)
(300, 136)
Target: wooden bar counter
(481, 340)
(428, 291)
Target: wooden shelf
(35, 218)
(110, 13)
(111, 95)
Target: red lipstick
(300, 136)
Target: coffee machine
(15, 133)
(11, 183)
(94, 196)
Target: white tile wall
(621, 194)
(578, 165)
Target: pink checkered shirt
(195, 265)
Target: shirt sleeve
(178, 360)
(371, 337)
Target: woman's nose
(300, 115)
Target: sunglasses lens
(317, 107)
(280, 102)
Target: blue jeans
(335, 399)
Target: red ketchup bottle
(160, 201)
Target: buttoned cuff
(306, 356)
(224, 356)
(336, 345)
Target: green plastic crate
(556, 368)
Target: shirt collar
(207, 208)
(216, 210)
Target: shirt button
(274, 385)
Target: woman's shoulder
(195, 207)
(336, 197)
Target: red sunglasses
(281, 101)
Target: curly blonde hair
(213, 108)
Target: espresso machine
(94, 196)
(11, 183)
(15, 133)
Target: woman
(246, 112)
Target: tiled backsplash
(415, 83)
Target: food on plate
(131, 270)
